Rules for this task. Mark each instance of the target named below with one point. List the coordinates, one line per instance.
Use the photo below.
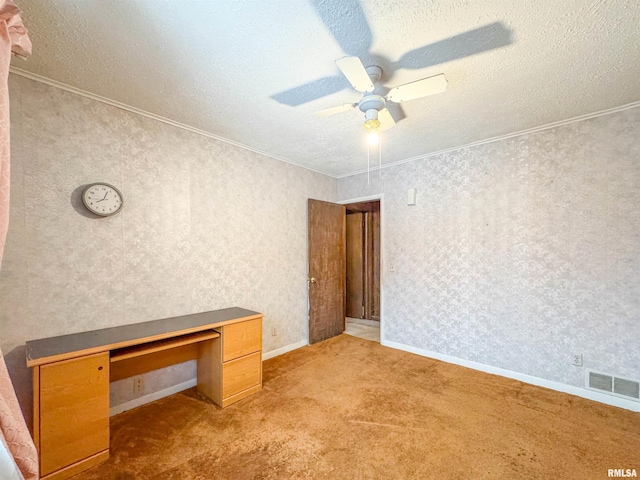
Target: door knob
(313, 279)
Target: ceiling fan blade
(386, 120)
(417, 89)
(396, 111)
(354, 70)
(333, 110)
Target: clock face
(102, 199)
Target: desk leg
(210, 369)
(36, 409)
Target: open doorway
(326, 281)
(363, 270)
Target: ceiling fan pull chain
(380, 157)
(368, 161)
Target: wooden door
(355, 265)
(74, 411)
(327, 269)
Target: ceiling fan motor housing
(374, 72)
(371, 102)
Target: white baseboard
(285, 349)
(151, 397)
(540, 382)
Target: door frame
(379, 196)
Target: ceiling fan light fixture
(371, 124)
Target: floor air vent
(621, 387)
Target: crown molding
(128, 108)
(548, 126)
(153, 116)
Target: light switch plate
(411, 198)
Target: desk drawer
(240, 339)
(241, 374)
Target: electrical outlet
(138, 384)
(576, 359)
(274, 332)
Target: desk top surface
(63, 347)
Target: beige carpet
(349, 408)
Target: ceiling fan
(343, 18)
(374, 106)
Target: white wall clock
(102, 199)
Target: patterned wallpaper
(205, 225)
(519, 252)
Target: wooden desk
(71, 375)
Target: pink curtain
(13, 40)
(13, 429)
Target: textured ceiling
(253, 71)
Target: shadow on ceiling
(344, 17)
